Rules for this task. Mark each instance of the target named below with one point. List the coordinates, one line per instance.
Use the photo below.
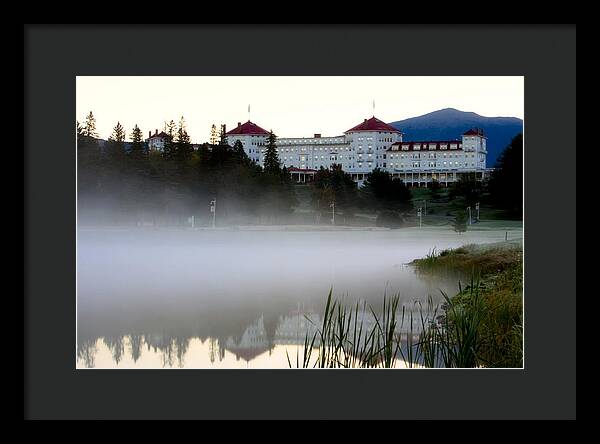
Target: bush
(389, 219)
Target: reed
(454, 334)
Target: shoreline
(506, 226)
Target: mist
(216, 283)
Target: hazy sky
(290, 106)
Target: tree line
(123, 181)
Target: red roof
(373, 124)
(474, 132)
(248, 128)
(247, 353)
(161, 134)
(397, 146)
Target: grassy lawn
(440, 212)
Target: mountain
(450, 124)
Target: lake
(239, 298)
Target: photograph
(299, 222)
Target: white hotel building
(369, 145)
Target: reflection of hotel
(369, 145)
(294, 328)
(252, 343)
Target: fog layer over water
(229, 298)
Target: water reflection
(234, 300)
(258, 338)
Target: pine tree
(506, 182)
(468, 188)
(238, 150)
(271, 163)
(171, 129)
(118, 134)
(381, 190)
(434, 189)
(183, 144)
(223, 136)
(460, 222)
(89, 127)
(137, 152)
(116, 143)
(169, 149)
(88, 157)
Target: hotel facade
(369, 145)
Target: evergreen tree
(183, 143)
(137, 151)
(460, 222)
(89, 127)
(380, 190)
(434, 189)
(334, 185)
(89, 159)
(118, 134)
(271, 163)
(506, 183)
(467, 188)
(79, 130)
(116, 143)
(203, 154)
(169, 149)
(223, 136)
(240, 153)
(171, 129)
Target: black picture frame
(54, 389)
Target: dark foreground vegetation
(481, 326)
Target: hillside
(450, 123)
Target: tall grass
(447, 335)
(344, 340)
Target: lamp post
(333, 213)
(213, 210)
(469, 210)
